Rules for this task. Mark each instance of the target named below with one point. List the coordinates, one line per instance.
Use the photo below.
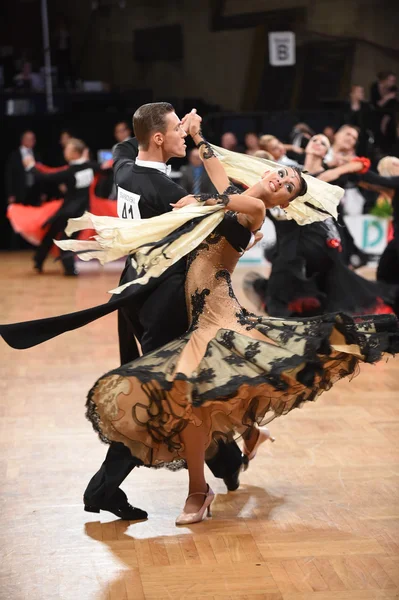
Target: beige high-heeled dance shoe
(263, 436)
(187, 518)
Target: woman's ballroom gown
(231, 369)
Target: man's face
(194, 158)
(251, 141)
(173, 138)
(70, 152)
(358, 93)
(229, 141)
(121, 132)
(29, 139)
(346, 139)
(276, 148)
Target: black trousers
(140, 320)
(103, 488)
(41, 253)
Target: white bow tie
(168, 170)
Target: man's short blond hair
(78, 145)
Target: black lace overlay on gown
(213, 238)
(198, 303)
(232, 189)
(251, 380)
(225, 274)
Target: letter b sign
(282, 48)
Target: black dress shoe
(124, 511)
(232, 481)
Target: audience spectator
(277, 149)
(384, 98)
(357, 112)
(251, 141)
(356, 109)
(230, 142)
(23, 77)
(21, 186)
(329, 132)
(64, 138)
(122, 132)
(194, 178)
(343, 147)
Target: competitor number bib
(128, 204)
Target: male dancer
(77, 178)
(155, 313)
(158, 315)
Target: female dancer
(309, 274)
(231, 370)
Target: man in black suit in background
(194, 178)
(21, 185)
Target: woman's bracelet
(206, 150)
(222, 199)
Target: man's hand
(28, 162)
(185, 201)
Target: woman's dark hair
(304, 186)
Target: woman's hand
(185, 201)
(257, 238)
(354, 166)
(191, 122)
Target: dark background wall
(211, 54)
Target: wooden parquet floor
(316, 516)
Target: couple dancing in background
(310, 273)
(231, 371)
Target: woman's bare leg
(193, 438)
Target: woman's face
(318, 145)
(276, 148)
(251, 141)
(281, 186)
